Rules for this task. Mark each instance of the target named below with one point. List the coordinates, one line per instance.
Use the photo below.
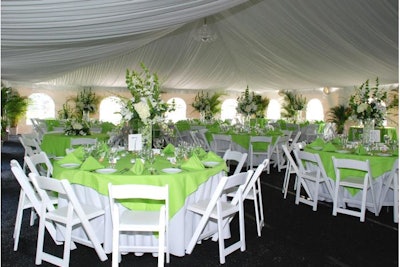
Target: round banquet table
(185, 188)
(381, 165)
(56, 143)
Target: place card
(134, 142)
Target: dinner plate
(171, 170)
(317, 147)
(210, 164)
(384, 154)
(106, 170)
(342, 151)
(70, 165)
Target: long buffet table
(185, 187)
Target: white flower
(77, 126)
(362, 107)
(143, 110)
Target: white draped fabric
(266, 44)
(181, 226)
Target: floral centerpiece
(207, 105)
(293, 106)
(368, 103)
(76, 127)
(250, 104)
(86, 102)
(145, 107)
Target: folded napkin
(200, 152)
(138, 167)
(211, 156)
(169, 150)
(360, 150)
(91, 164)
(336, 141)
(79, 152)
(69, 158)
(317, 142)
(329, 147)
(192, 164)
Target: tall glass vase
(147, 136)
(369, 125)
(85, 115)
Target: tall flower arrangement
(145, 106)
(293, 104)
(207, 105)
(86, 102)
(250, 104)
(368, 103)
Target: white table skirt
(181, 226)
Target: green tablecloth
(181, 185)
(379, 164)
(355, 133)
(56, 143)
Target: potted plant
(13, 108)
(339, 115)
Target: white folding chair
(221, 143)
(71, 215)
(362, 182)
(82, 142)
(219, 209)
(200, 138)
(252, 191)
(264, 153)
(278, 155)
(291, 168)
(237, 156)
(296, 138)
(311, 176)
(31, 146)
(39, 164)
(391, 186)
(28, 199)
(139, 221)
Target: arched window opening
(315, 110)
(109, 110)
(228, 109)
(180, 110)
(274, 110)
(41, 107)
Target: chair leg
(33, 217)
(18, 219)
(40, 241)
(221, 243)
(260, 204)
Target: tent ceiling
(266, 44)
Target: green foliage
(293, 103)
(250, 104)
(339, 115)
(67, 112)
(209, 105)
(86, 100)
(13, 107)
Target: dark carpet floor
(294, 235)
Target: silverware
(124, 170)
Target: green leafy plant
(339, 115)
(66, 112)
(368, 103)
(87, 101)
(250, 104)
(209, 105)
(13, 107)
(292, 104)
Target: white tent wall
(59, 46)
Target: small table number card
(134, 142)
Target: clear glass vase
(147, 136)
(368, 126)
